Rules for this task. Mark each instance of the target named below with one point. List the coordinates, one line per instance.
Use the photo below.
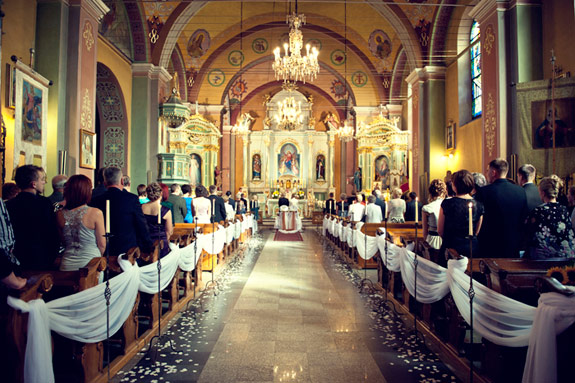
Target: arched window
(475, 60)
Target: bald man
(58, 183)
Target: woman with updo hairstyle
(396, 207)
(548, 226)
(163, 228)
(202, 205)
(187, 196)
(453, 220)
(430, 213)
(81, 227)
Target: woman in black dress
(453, 221)
(162, 228)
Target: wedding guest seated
(179, 210)
(127, 183)
(244, 201)
(548, 226)
(158, 217)
(480, 181)
(230, 213)
(9, 191)
(372, 211)
(127, 223)
(81, 227)
(33, 220)
(202, 205)
(505, 207)
(526, 178)
(342, 205)
(231, 199)
(219, 210)
(356, 210)
(329, 205)
(142, 196)
(8, 262)
(186, 195)
(410, 207)
(453, 220)
(430, 213)
(165, 195)
(58, 183)
(255, 207)
(396, 207)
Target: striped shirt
(6, 234)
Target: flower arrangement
(276, 194)
(301, 194)
(565, 275)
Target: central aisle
(291, 323)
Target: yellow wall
(122, 69)
(19, 28)
(468, 138)
(558, 35)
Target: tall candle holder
(365, 282)
(415, 332)
(195, 263)
(159, 337)
(471, 291)
(213, 283)
(107, 296)
(386, 299)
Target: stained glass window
(475, 70)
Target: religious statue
(218, 177)
(256, 167)
(331, 121)
(357, 180)
(320, 168)
(310, 202)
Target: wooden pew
(15, 327)
(369, 229)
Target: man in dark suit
(342, 205)
(379, 201)
(283, 201)
(505, 211)
(525, 177)
(179, 209)
(329, 205)
(410, 208)
(231, 200)
(127, 223)
(35, 230)
(218, 205)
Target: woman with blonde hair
(396, 207)
(160, 228)
(548, 226)
(430, 213)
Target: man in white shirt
(372, 211)
(356, 210)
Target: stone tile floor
(287, 312)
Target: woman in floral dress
(549, 231)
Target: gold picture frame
(450, 135)
(87, 149)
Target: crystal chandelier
(293, 66)
(345, 132)
(289, 116)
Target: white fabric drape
(82, 316)
(500, 319)
(366, 241)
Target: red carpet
(294, 237)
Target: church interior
(312, 99)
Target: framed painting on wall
(10, 86)
(30, 115)
(450, 136)
(87, 149)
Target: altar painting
(382, 171)
(288, 161)
(195, 169)
(320, 168)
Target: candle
(386, 210)
(107, 216)
(416, 210)
(160, 215)
(213, 207)
(470, 219)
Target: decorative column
(491, 17)
(311, 168)
(226, 167)
(414, 84)
(245, 141)
(83, 21)
(331, 164)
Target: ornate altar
(191, 147)
(382, 153)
